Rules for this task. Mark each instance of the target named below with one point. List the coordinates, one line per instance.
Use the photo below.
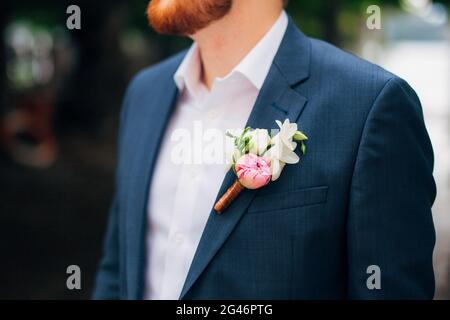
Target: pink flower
(252, 171)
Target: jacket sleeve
(107, 282)
(390, 232)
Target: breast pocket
(289, 200)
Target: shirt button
(195, 176)
(178, 238)
(213, 114)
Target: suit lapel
(277, 101)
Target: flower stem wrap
(228, 197)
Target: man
(351, 220)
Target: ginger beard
(185, 18)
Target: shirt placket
(178, 241)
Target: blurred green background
(60, 96)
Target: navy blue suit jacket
(361, 196)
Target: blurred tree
(320, 18)
(4, 14)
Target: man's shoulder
(335, 63)
(353, 81)
(153, 74)
(351, 88)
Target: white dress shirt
(182, 193)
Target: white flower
(276, 167)
(231, 153)
(259, 141)
(282, 148)
(287, 133)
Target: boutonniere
(258, 158)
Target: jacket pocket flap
(290, 199)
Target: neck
(224, 43)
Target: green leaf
(249, 146)
(303, 148)
(246, 130)
(300, 136)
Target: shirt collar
(255, 66)
(189, 72)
